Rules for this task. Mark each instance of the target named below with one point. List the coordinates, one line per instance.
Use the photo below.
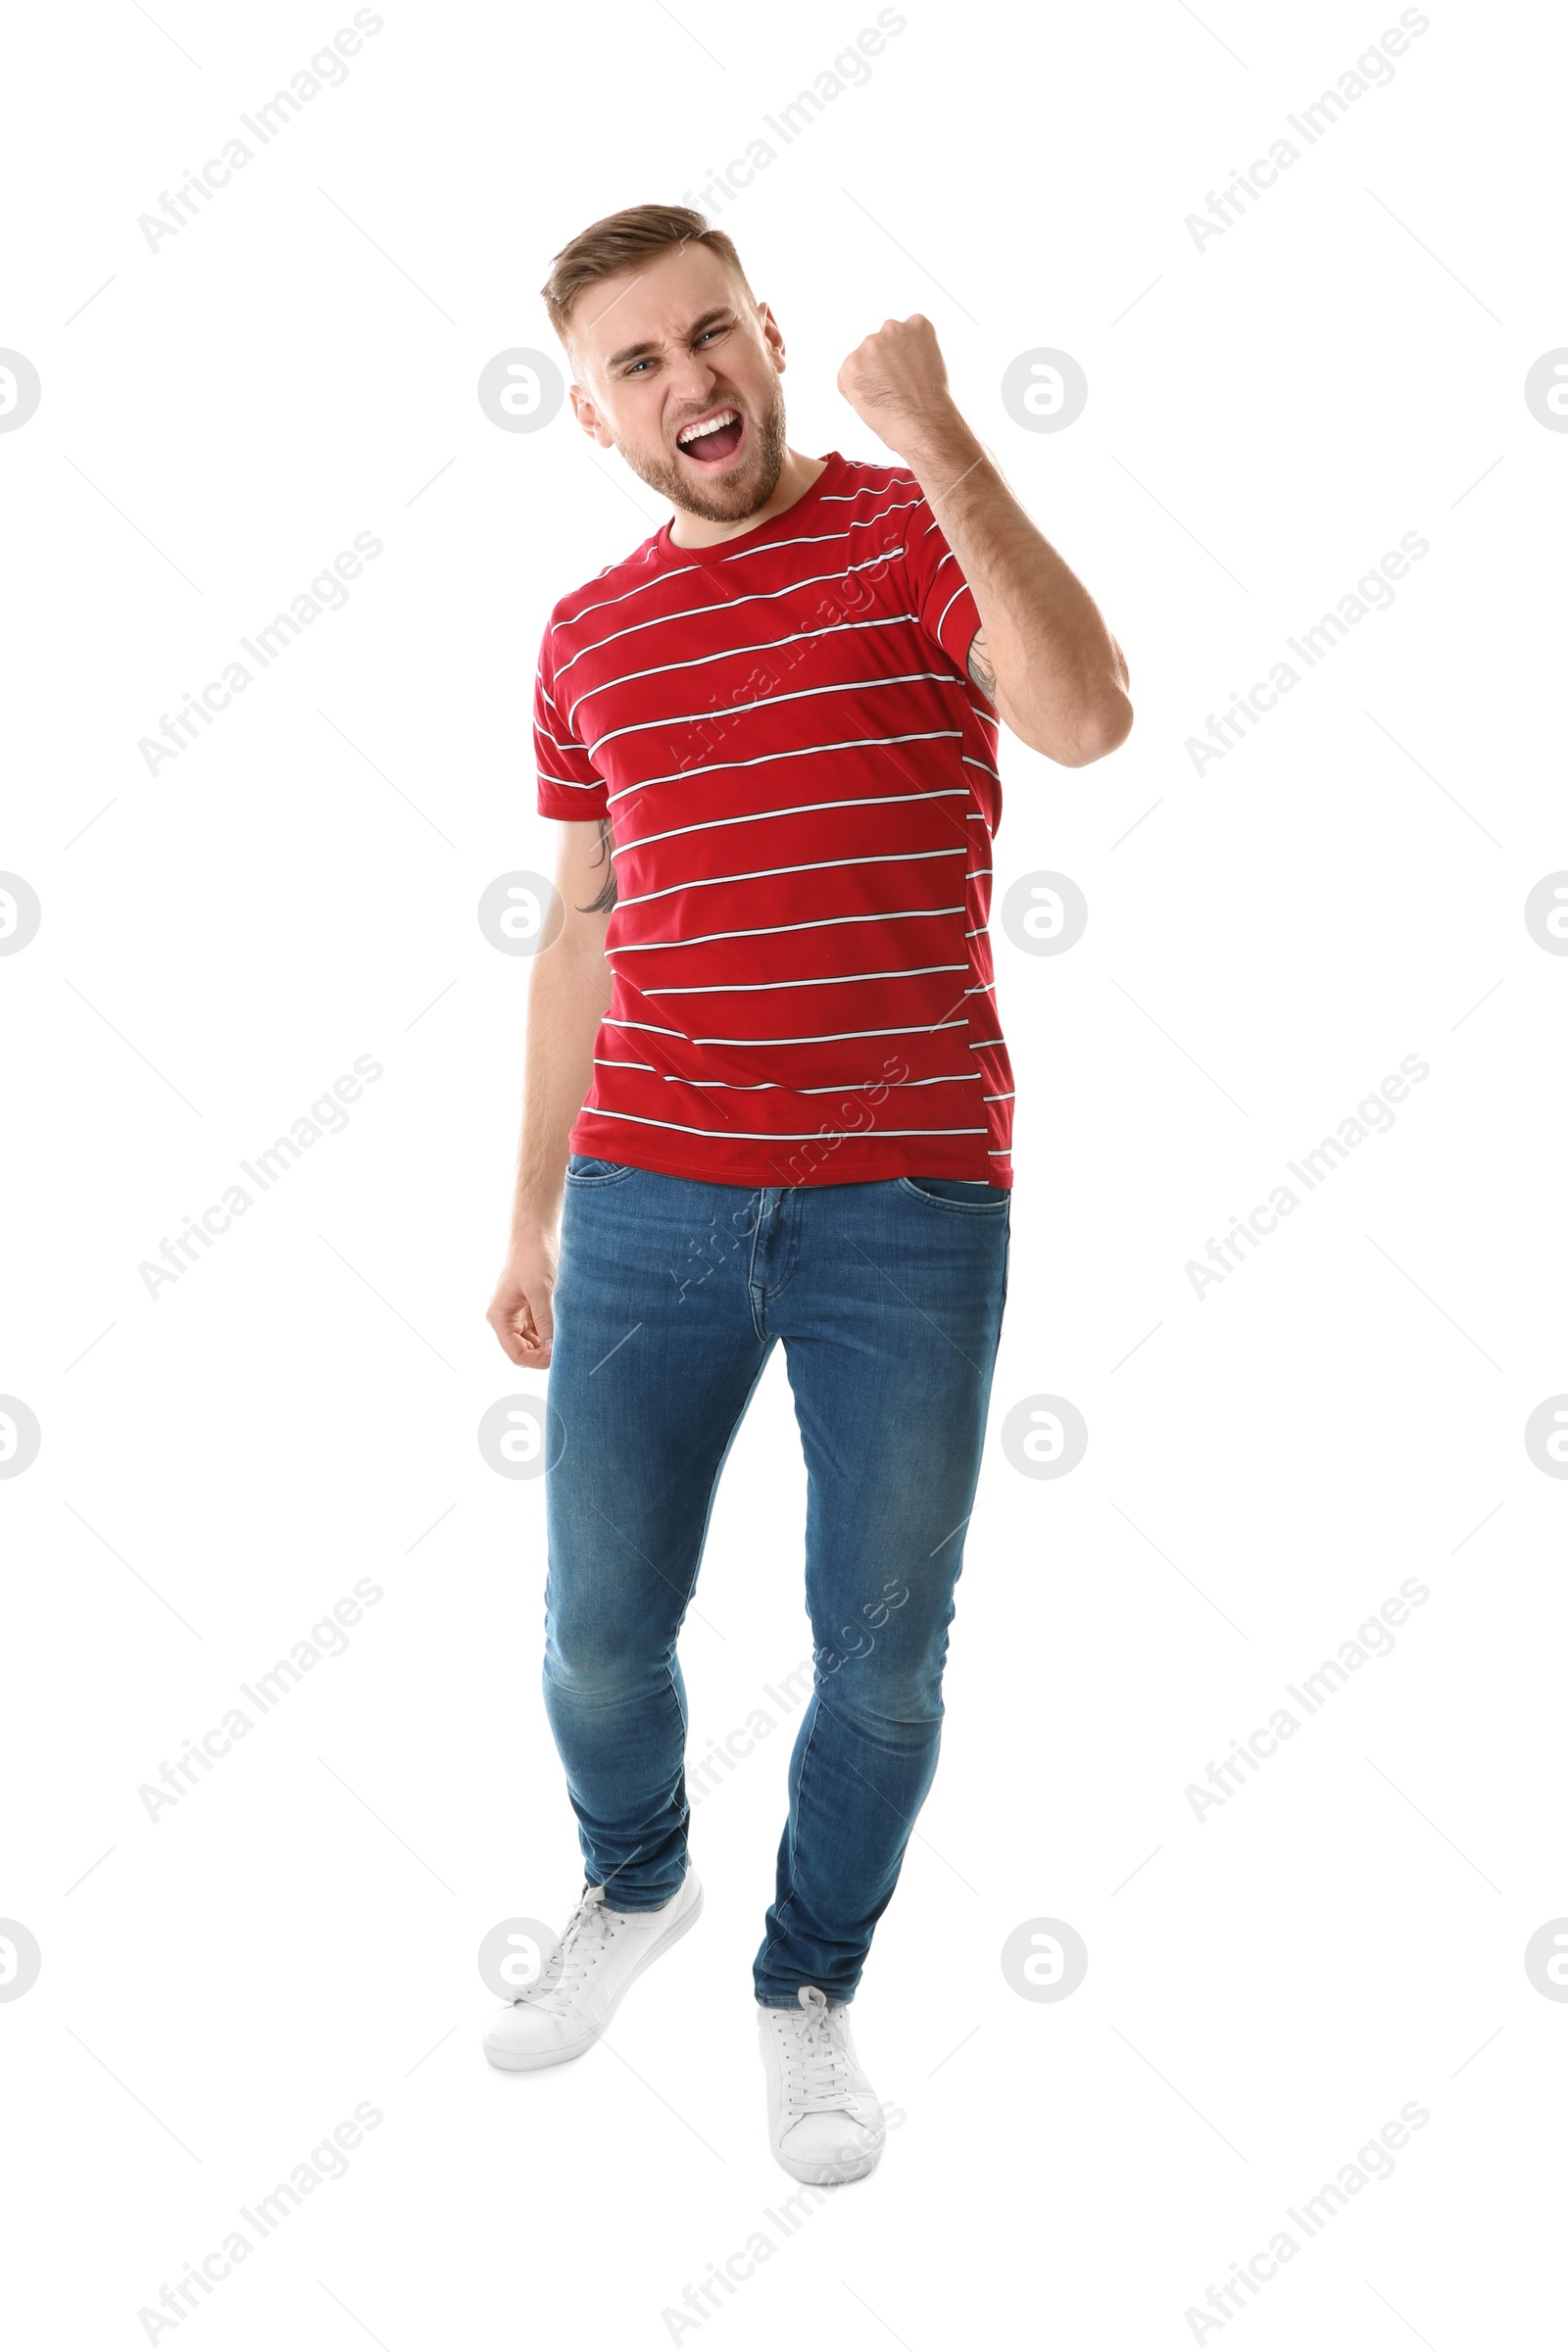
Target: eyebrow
(645, 349)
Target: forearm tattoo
(980, 669)
(605, 900)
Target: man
(767, 1093)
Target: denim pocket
(581, 1169)
(952, 1191)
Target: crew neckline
(670, 549)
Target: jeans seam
(669, 1677)
(796, 1811)
(961, 1209)
(701, 1546)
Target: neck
(796, 477)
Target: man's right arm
(569, 994)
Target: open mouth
(712, 440)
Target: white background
(1266, 1465)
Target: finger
(511, 1344)
(511, 1329)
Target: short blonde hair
(609, 247)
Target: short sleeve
(568, 786)
(940, 594)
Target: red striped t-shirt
(801, 781)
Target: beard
(742, 490)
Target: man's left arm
(1043, 656)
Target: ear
(772, 335)
(588, 416)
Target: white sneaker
(603, 1955)
(824, 2118)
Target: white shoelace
(586, 1937)
(816, 2064)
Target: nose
(691, 383)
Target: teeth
(695, 432)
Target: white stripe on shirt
(763, 873)
(810, 750)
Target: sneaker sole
(829, 2176)
(528, 2062)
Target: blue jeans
(670, 1296)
